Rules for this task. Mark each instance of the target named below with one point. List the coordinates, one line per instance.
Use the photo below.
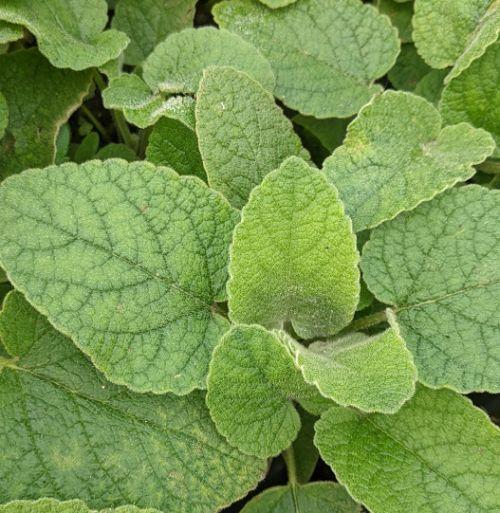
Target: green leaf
(167, 69)
(409, 69)
(293, 256)
(473, 96)
(116, 151)
(430, 86)
(138, 255)
(66, 432)
(243, 134)
(63, 141)
(374, 374)
(4, 115)
(319, 497)
(276, 4)
(69, 32)
(325, 55)
(400, 15)
(396, 155)
(329, 132)
(149, 22)
(10, 32)
(88, 148)
(71, 506)
(305, 453)
(438, 453)
(438, 265)
(454, 31)
(36, 114)
(251, 384)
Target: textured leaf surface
(439, 266)
(329, 53)
(168, 70)
(243, 134)
(445, 30)
(251, 384)
(318, 497)
(293, 256)
(438, 453)
(275, 4)
(71, 506)
(66, 432)
(127, 259)
(396, 155)
(35, 113)
(371, 373)
(474, 96)
(69, 32)
(400, 15)
(10, 32)
(149, 22)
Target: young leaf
(293, 256)
(243, 134)
(168, 71)
(396, 155)
(9, 32)
(71, 506)
(251, 384)
(371, 373)
(474, 95)
(35, 114)
(66, 432)
(438, 265)
(445, 31)
(129, 259)
(4, 115)
(318, 497)
(438, 453)
(69, 32)
(400, 15)
(325, 55)
(149, 22)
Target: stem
(88, 113)
(289, 457)
(368, 321)
(490, 166)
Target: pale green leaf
(36, 113)
(176, 65)
(293, 256)
(318, 497)
(251, 384)
(66, 432)
(325, 54)
(10, 32)
(69, 32)
(4, 115)
(70, 506)
(396, 155)
(409, 69)
(243, 134)
(474, 96)
(127, 92)
(127, 259)
(400, 15)
(438, 453)
(175, 145)
(438, 266)
(148, 22)
(371, 373)
(447, 31)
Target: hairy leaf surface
(10, 32)
(71, 506)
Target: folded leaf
(35, 113)
(396, 155)
(318, 497)
(66, 432)
(326, 55)
(149, 22)
(371, 373)
(438, 265)
(9, 32)
(69, 32)
(127, 259)
(438, 453)
(169, 71)
(72, 506)
(243, 134)
(294, 257)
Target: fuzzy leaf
(438, 265)
(35, 114)
(325, 55)
(149, 22)
(243, 134)
(438, 453)
(371, 373)
(71, 506)
(294, 257)
(69, 32)
(396, 155)
(167, 69)
(66, 432)
(9, 32)
(474, 96)
(129, 259)
(318, 497)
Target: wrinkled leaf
(71, 506)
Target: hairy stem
(289, 457)
(368, 321)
